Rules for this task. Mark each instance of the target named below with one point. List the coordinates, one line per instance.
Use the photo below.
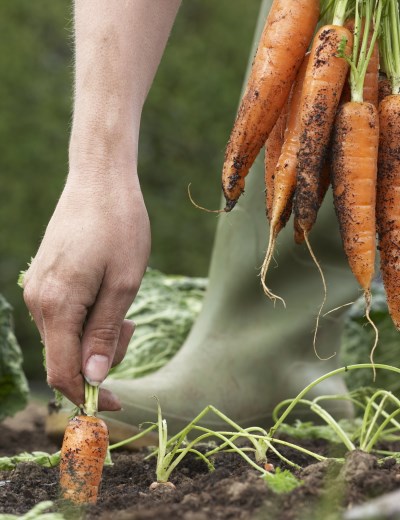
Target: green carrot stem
(91, 399)
(339, 14)
(362, 55)
(379, 431)
(133, 438)
(391, 45)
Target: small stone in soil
(165, 487)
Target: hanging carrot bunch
(317, 114)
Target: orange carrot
(388, 192)
(371, 80)
(354, 170)
(323, 84)
(287, 33)
(285, 173)
(388, 201)
(83, 453)
(273, 148)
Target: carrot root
(83, 453)
(265, 266)
(305, 235)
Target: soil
(233, 491)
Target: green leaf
(42, 458)
(282, 481)
(13, 384)
(164, 311)
(38, 511)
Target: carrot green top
(336, 12)
(367, 14)
(390, 44)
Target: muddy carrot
(285, 174)
(273, 148)
(83, 452)
(287, 33)
(323, 84)
(388, 191)
(354, 162)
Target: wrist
(95, 147)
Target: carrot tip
(230, 204)
(265, 265)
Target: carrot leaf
(390, 44)
(368, 13)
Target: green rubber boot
(244, 355)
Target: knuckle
(29, 296)
(50, 299)
(105, 335)
(127, 285)
(57, 381)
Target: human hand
(84, 277)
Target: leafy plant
(42, 458)
(38, 511)
(13, 385)
(379, 411)
(282, 481)
(164, 311)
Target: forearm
(118, 46)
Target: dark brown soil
(233, 491)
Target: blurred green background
(185, 126)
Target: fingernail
(96, 370)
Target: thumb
(101, 335)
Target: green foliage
(358, 339)
(185, 125)
(282, 481)
(311, 431)
(42, 458)
(13, 384)
(164, 311)
(38, 511)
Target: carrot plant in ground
(379, 411)
(83, 452)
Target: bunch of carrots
(324, 102)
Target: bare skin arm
(95, 250)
